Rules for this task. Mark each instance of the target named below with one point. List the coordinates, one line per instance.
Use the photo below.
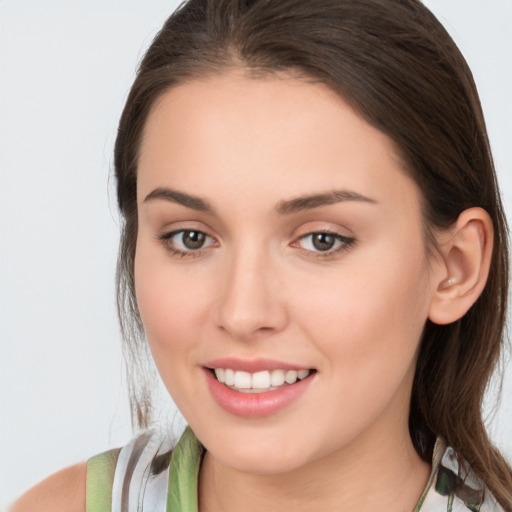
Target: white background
(65, 69)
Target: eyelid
(345, 243)
(166, 238)
(341, 243)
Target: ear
(466, 250)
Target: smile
(257, 388)
(259, 382)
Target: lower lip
(255, 405)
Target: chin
(258, 462)
(263, 451)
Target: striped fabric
(148, 476)
(453, 487)
(136, 478)
(142, 475)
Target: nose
(251, 302)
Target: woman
(315, 249)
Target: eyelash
(166, 240)
(346, 243)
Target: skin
(259, 289)
(63, 491)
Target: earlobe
(466, 250)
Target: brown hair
(394, 63)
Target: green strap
(183, 474)
(100, 477)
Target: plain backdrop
(65, 69)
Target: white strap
(142, 474)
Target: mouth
(255, 388)
(261, 381)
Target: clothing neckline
(184, 473)
(437, 455)
(188, 455)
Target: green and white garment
(148, 476)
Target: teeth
(229, 377)
(264, 380)
(302, 374)
(290, 376)
(260, 380)
(277, 378)
(242, 380)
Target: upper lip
(252, 365)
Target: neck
(372, 473)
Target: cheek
(169, 301)
(368, 331)
(368, 319)
(174, 314)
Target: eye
(186, 242)
(326, 242)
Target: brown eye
(186, 242)
(193, 239)
(323, 241)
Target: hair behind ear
(460, 347)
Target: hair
(397, 67)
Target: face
(280, 246)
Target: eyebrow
(298, 204)
(174, 196)
(317, 200)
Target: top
(148, 476)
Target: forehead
(282, 132)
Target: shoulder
(63, 491)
